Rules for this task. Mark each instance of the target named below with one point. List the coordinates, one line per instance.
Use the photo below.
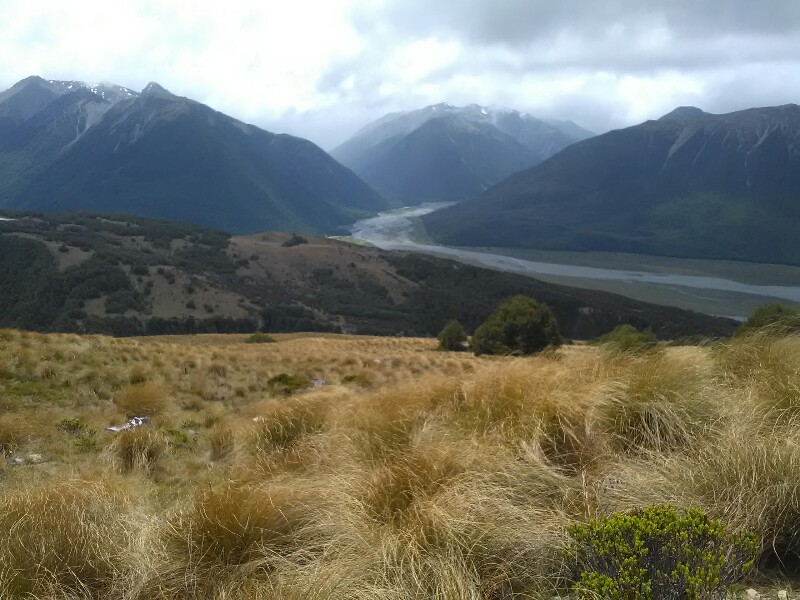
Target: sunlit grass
(404, 473)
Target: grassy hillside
(404, 473)
(127, 275)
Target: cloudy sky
(323, 68)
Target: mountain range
(691, 184)
(445, 152)
(67, 145)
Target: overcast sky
(323, 68)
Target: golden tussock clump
(142, 399)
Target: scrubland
(404, 473)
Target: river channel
(715, 287)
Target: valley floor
(717, 287)
(335, 467)
(708, 300)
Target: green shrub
(75, 427)
(288, 384)
(519, 326)
(657, 552)
(452, 337)
(295, 240)
(626, 338)
(260, 338)
(363, 379)
(87, 444)
(774, 317)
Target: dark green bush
(260, 338)
(519, 326)
(452, 336)
(295, 240)
(626, 338)
(75, 427)
(774, 318)
(288, 384)
(657, 553)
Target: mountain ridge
(710, 186)
(106, 148)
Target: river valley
(718, 287)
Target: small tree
(519, 326)
(452, 337)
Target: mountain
(445, 152)
(690, 184)
(127, 275)
(105, 148)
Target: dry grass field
(401, 473)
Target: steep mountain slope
(107, 149)
(25, 98)
(447, 158)
(444, 152)
(691, 184)
(129, 275)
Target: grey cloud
(604, 64)
(520, 21)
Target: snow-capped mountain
(444, 152)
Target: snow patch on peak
(109, 92)
(155, 88)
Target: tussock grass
(282, 424)
(770, 366)
(394, 491)
(241, 524)
(69, 537)
(410, 474)
(663, 402)
(222, 441)
(15, 430)
(237, 533)
(142, 399)
(141, 449)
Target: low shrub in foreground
(657, 553)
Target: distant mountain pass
(691, 184)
